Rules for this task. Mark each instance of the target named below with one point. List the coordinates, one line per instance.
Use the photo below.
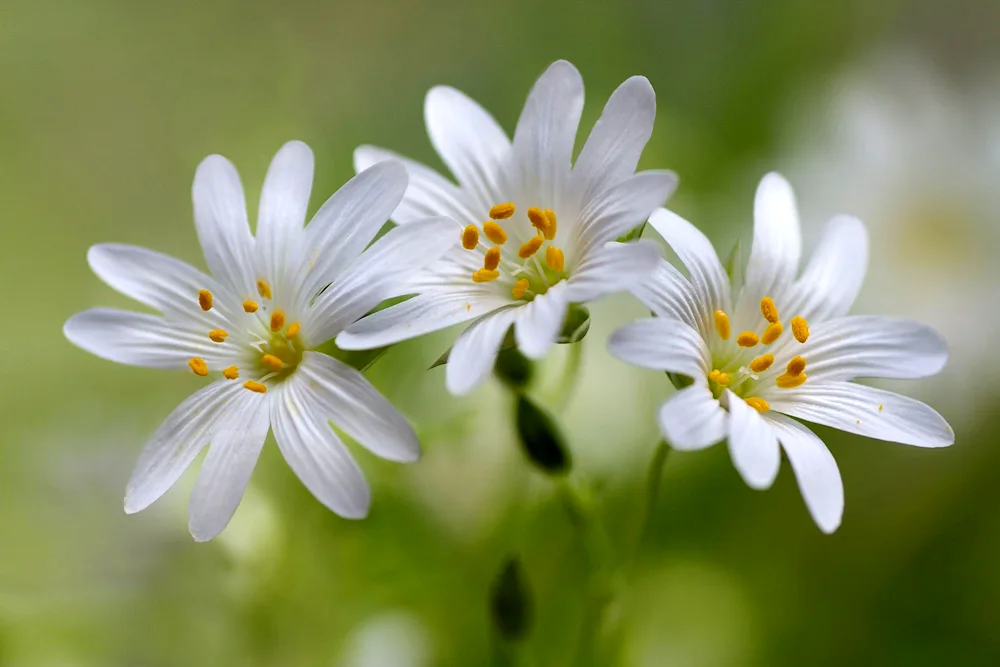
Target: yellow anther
(492, 259)
(470, 237)
(880, 407)
(502, 211)
(485, 276)
(263, 289)
(217, 335)
(538, 219)
(555, 258)
(800, 329)
(747, 339)
(520, 287)
(791, 381)
(255, 387)
(531, 247)
(293, 329)
(198, 366)
(722, 324)
(762, 363)
(277, 320)
(772, 333)
(272, 362)
(768, 309)
(550, 233)
(231, 373)
(250, 306)
(758, 403)
(796, 366)
(494, 232)
(718, 377)
(205, 300)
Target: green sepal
(680, 381)
(632, 234)
(576, 326)
(541, 438)
(511, 604)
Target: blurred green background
(882, 108)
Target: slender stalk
(654, 475)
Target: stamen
(255, 387)
(502, 211)
(485, 276)
(718, 377)
(272, 362)
(217, 335)
(277, 320)
(494, 232)
(796, 366)
(198, 366)
(880, 407)
(762, 363)
(231, 373)
(263, 289)
(747, 339)
(250, 306)
(772, 333)
(555, 258)
(722, 324)
(538, 219)
(492, 259)
(553, 223)
(531, 247)
(791, 381)
(520, 287)
(800, 329)
(293, 330)
(205, 300)
(768, 309)
(470, 237)
(758, 403)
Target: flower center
(532, 271)
(743, 370)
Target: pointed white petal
(539, 323)
(623, 207)
(612, 151)
(232, 456)
(753, 444)
(220, 216)
(867, 411)
(693, 419)
(662, 344)
(833, 277)
(669, 294)
(614, 268)
(176, 444)
(815, 470)
(357, 408)
(315, 453)
(475, 351)
(284, 201)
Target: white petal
(220, 216)
(867, 411)
(546, 132)
(693, 419)
(474, 353)
(708, 278)
(616, 267)
(414, 317)
(663, 345)
(382, 271)
(815, 470)
(140, 339)
(753, 445)
(669, 294)
(833, 277)
(615, 144)
(623, 207)
(429, 194)
(315, 453)
(539, 323)
(469, 141)
(176, 444)
(284, 201)
(358, 409)
(231, 458)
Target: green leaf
(577, 324)
(541, 438)
(510, 601)
(633, 234)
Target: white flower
(784, 346)
(252, 326)
(548, 239)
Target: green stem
(653, 477)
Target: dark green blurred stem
(654, 475)
(567, 383)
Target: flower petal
(474, 353)
(315, 453)
(669, 294)
(615, 144)
(539, 323)
(832, 279)
(753, 444)
(867, 411)
(693, 419)
(815, 470)
(621, 208)
(663, 345)
(358, 409)
(284, 201)
(231, 458)
(614, 268)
